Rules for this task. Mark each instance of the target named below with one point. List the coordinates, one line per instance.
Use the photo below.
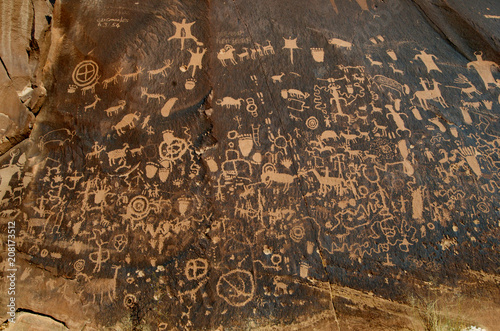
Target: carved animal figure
(268, 49)
(270, 177)
(353, 153)
(162, 70)
(118, 155)
(294, 94)
(128, 121)
(320, 146)
(280, 287)
(136, 151)
(115, 109)
(372, 62)
(365, 134)
(244, 55)
(226, 53)
(327, 183)
(362, 118)
(359, 78)
(382, 81)
(113, 79)
(90, 87)
(476, 105)
(340, 43)
(230, 102)
(56, 137)
(329, 134)
(277, 78)
(157, 96)
(103, 286)
(434, 94)
(467, 90)
(349, 137)
(133, 75)
(396, 71)
(93, 104)
(257, 50)
(379, 127)
(95, 152)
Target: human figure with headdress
(484, 69)
(183, 32)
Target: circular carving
(138, 207)
(297, 233)
(363, 191)
(483, 207)
(276, 259)
(129, 301)
(236, 287)
(312, 123)
(139, 204)
(196, 269)
(44, 253)
(172, 150)
(85, 73)
(268, 167)
(79, 265)
(280, 142)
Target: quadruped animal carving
(103, 286)
(115, 109)
(229, 102)
(227, 54)
(128, 121)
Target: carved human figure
(484, 69)
(291, 44)
(183, 32)
(428, 60)
(196, 58)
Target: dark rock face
(313, 164)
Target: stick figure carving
(100, 256)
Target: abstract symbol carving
(138, 207)
(79, 265)
(236, 287)
(172, 148)
(85, 73)
(196, 269)
(312, 123)
(129, 301)
(119, 242)
(297, 233)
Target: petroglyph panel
(211, 166)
